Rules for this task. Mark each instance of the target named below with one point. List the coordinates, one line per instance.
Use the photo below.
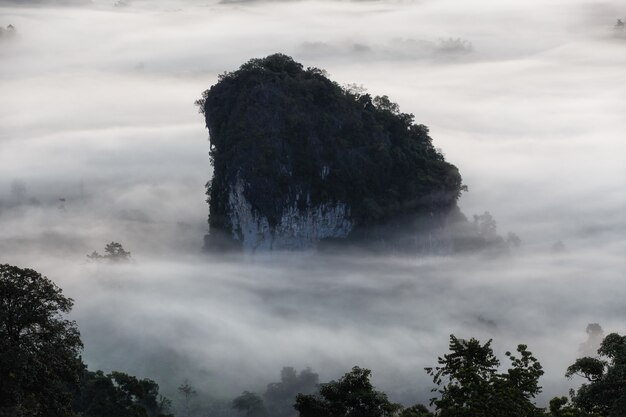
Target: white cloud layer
(526, 98)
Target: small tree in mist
(513, 240)
(486, 226)
(116, 252)
(187, 393)
(113, 252)
(251, 404)
(8, 32)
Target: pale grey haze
(100, 141)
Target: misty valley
(312, 208)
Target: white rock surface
(297, 229)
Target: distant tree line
(113, 252)
(42, 374)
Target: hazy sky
(527, 98)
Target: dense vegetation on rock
(296, 138)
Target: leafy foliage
(470, 384)
(118, 394)
(561, 407)
(39, 347)
(295, 137)
(351, 396)
(605, 392)
(41, 373)
(417, 410)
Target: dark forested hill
(298, 159)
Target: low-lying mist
(100, 142)
(229, 324)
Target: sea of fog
(100, 142)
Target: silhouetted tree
(187, 392)
(120, 395)
(383, 103)
(605, 391)
(116, 252)
(279, 396)
(39, 348)
(470, 385)
(250, 403)
(351, 396)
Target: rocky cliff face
(297, 160)
(296, 229)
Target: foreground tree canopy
(41, 372)
(470, 384)
(604, 394)
(42, 375)
(39, 347)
